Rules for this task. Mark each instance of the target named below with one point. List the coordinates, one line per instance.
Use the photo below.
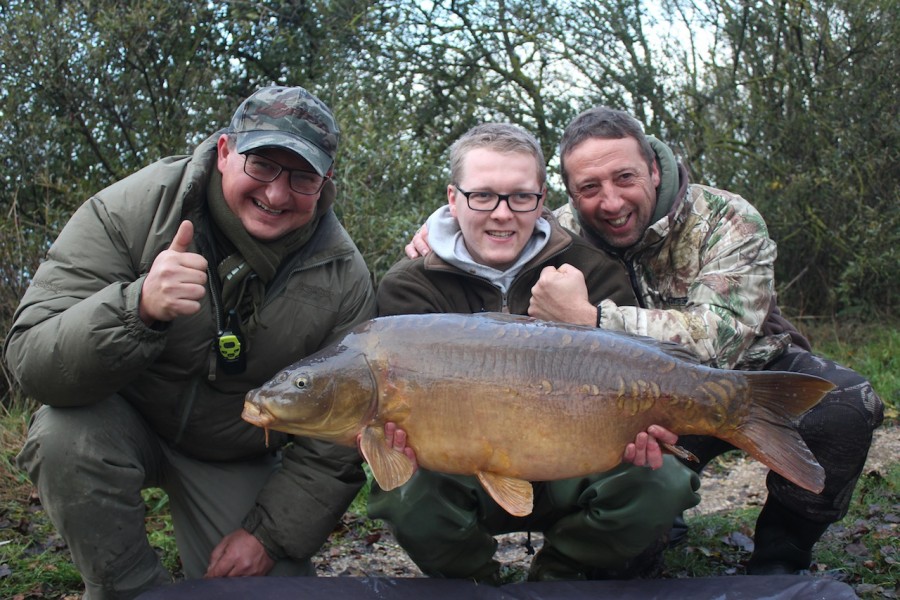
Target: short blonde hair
(500, 137)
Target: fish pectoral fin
(516, 496)
(391, 468)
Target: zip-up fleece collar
(446, 241)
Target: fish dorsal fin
(516, 496)
(391, 468)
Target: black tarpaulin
(781, 587)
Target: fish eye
(302, 382)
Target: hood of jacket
(446, 240)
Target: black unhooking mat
(738, 587)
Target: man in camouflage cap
(167, 297)
(290, 118)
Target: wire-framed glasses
(303, 182)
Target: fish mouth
(254, 415)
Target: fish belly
(536, 403)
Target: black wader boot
(783, 542)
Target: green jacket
(430, 285)
(77, 339)
(704, 274)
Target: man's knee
(427, 496)
(97, 442)
(851, 389)
(640, 490)
(623, 513)
(52, 444)
(838, 431)
(437, 519)
(88, 464)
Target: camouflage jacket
(703, 274)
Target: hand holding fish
(239, 554)
(395, 439)
(176, 282)
(561, 295)
(646, 450)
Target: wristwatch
(599, 313)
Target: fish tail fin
(769, 434)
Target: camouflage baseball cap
(290, 118)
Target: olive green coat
(77, 338)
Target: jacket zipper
(632, 277)
(188, 401)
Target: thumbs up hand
(176, 282)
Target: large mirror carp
(512, 400)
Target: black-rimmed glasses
(489, 201)
(303, 182)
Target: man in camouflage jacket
(165, 298)
(701, 263)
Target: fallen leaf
(372, 538)
(868, 588)
(857, 550)
(739, 540)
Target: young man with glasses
(491, 242)
(166, 298)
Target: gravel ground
(735, 481)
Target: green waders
(90, 464)
(446, 523)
